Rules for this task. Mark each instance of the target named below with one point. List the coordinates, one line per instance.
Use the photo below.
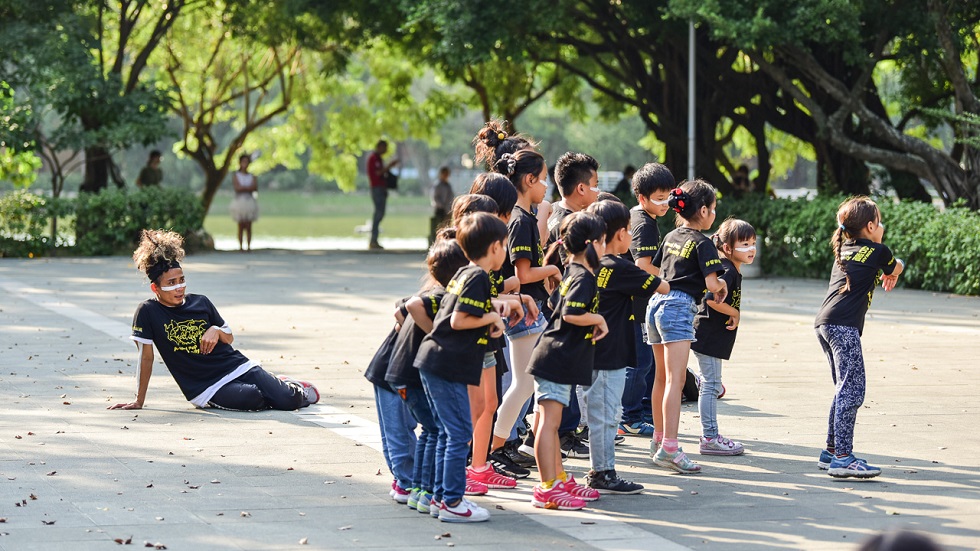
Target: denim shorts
(547, 390)
(489, 360)
(523, 329)
(670, 318)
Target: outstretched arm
(145, 370)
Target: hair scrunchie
(507, 165)
(679, 201)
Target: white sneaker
(309, 391)
(720, 446)
(464, 511)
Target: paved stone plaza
(74, 475)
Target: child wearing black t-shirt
(563, 358)
(451, 357)
(861, 261)
(689, 262)
(715, 326)
(445, 258)
(651, 186)
(195, 342)
(527, 170)
(619, 281)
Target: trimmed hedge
(104, 223)
(941, 249)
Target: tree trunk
(97, 169)
(213, 177)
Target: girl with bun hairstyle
(688, 261)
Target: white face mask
(745, 249)
(660, 203)
(173, 287)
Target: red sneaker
(577, 490)
(556, 498)
(490, 478)
(474, 488)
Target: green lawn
(304, 214)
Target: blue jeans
(451, 406)
(571, 415)
(708, 393)
(603, 405)
(397, 435)
(636, 378)
(424, 474)
(842, 345)
(670, 318)
(256, 390)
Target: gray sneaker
(310, 393)
(677, 461)
(720, 445)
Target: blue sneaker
(825, 458)
(425, 499)
(636, 429)
(852, 467)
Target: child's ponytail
(578, 231)
(852, 215)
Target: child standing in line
(398, 440)
(563, 358)
(689, 263)
(619, 280)
(445, 258)
(715, 326)
(527, 170)
(651, 186)
(483, 398)
(451, 357)
(861, 261)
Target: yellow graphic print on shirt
(186, 335)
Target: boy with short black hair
(651, 186)
(577, 179)
(451, 357)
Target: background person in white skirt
(244, 208)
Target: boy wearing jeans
(451, 357)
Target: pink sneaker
(556, 498)
(577, 490)
(474, 488)
(490, 478)
(399, 494)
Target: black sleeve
(580, 296)
(474, 296)
(886, 259)
(645, 239)
(142, 324)
(731, 280)
(431, 301)
(636, 281)
(521, 240)
(708, 258)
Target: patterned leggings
(842, 345)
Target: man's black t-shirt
(558, 213)
(644, 242)
(565, 352)
(176, 331)
(619, 281)
(524, 241)
(685, 258)
(863, 259)
(457, 355)
(711, 326)
(401, 368)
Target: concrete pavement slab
(320, 315)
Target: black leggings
(255, 390)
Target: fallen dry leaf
(126, 541)
(348, 527)
(48, 522)
(245, 514)
(215, 481)
(304, 541)
(52, 473)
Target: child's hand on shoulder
(733, 321)
(600, 331)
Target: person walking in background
(244, 208)
(377, 170)
(624, 188)
(441, 198)
(151, 174)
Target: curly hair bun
(158, 246)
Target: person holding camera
(378, 175)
